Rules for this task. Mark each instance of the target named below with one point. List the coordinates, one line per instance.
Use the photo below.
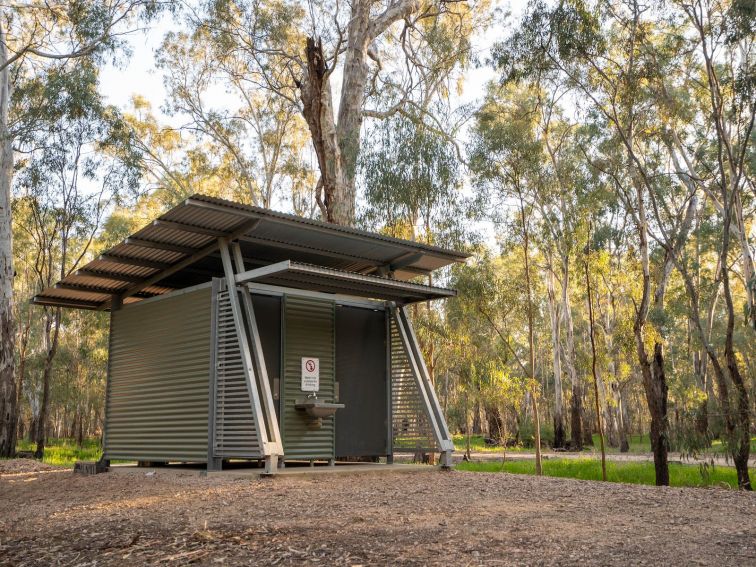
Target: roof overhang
(180, 249)
(316, 278)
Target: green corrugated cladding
(309, 331)
(157, 396)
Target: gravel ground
(175, 517)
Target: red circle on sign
(310, 365)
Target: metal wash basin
(317, 408)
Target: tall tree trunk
(52, 334)
(554, 316)
(8, 407)
(317, 108)
(593, 359)
(531, 348)
(576, 402)
(337, 142)
(623, 423)
(741, 433)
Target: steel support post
(422, 378)
(261, 371)
(270, 450)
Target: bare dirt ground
(175, 517)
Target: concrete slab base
(241, 470)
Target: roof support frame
(268, 440)
(183, 227)
(142, 243)
(139, 262)
(73, 303)
(188, 261)
(107, 275)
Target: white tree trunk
(7, 334)
(555, 317)
(576, 406)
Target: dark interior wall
(268, 317)
(362, 426)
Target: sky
(139, 75)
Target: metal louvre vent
(235, 427)
(410, 424)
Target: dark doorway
(268, 317)
(362, 426)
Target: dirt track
(410, 518)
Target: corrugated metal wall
(309, 330)
(235, 426)
(157, 399)
(410, 423)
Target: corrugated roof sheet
(179, 249)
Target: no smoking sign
(310, 374)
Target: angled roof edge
(162, 256)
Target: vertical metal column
(274, 436)
(422, 378)
(271, 448)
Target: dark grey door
(362, 426)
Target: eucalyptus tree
(487, 319)
(411, 183)
(722, 51)
(256, 138)
(597, 53)
(391, 55)
(506, 162)
(79, 160)
(34, 37)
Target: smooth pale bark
(554, 317)
(531, 348)
(593, 364)
(337, 140)
(576, 402)
(8, 407)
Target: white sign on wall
(310, 374)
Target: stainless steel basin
(317, 408)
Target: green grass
(638, 444)
(478, 445)
(65, 451)
(631, 473)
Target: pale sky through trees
(139, 76)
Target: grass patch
(638, 444)
(478, 445)
(65, 451)
(630, 473)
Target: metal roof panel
(189, 234)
